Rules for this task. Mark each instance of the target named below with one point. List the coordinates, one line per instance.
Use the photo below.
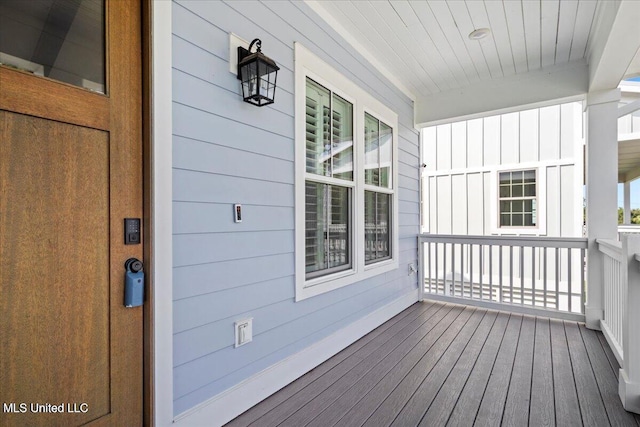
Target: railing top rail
(529, 241)
(613, 248)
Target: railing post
(629, 378)
(421, 275)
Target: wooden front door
(70, 172)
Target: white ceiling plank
(451, 31)
(389, 34)
(584, 21)
(405, 12)
(479, 18)
(531, 18)
(431, 26)
(352, 20)
(616, 42)
(465, 26)
(549, 25)
(445, 78)
(558, 83)
(566, 26)
(515, 26)
(498, 25)
(423, 66)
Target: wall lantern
(257, 74)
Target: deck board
(445, 364)
(542, 407)
(495, 394)
(464, 413)
(591, 406)
(441, 407)
(516, 408)
(566, 397)
(607, 384)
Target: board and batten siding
(226, 151)
(463, 159)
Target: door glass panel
(60, 39)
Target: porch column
(602, 191)
(626, 219)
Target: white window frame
(309, 65)
(540, 229)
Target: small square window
(517, 199)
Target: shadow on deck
(439, 364)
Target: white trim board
(229, 404)
(161, 266)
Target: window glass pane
(327, 227)
(505, 178)
(528, 206)
(516, 177)
(338, 226)
(383, 223)
(528, 220)
(516, 190)
(62, 40)
(371, 150)
(530, 190)
(517, 198)
(386, 161)
(369, 225)
(318, 134)
(517, 219)
(516, 206)
(530, 176)
(377, 208)
(342, 134)
(534, 216)
(329, 133)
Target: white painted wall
(463, 159)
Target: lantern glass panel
(249, 80)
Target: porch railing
(621, 316)
(529, 274)
(615, 287)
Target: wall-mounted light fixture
(257, 74)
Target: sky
(635, 194)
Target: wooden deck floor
(439, 364)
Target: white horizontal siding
(226, 151)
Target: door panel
(70, 172)
(54, 263)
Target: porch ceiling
(536, 52)
(629, 157)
